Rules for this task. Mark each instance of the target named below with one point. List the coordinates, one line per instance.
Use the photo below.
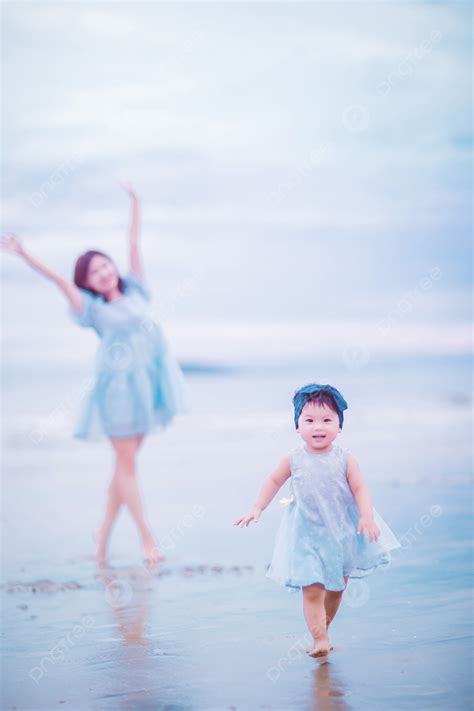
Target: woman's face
(102, 276)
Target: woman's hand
(128, 187)
(135, 259)
(369, 527)
(11, 244)
(254, 515)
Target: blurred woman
(138, 385)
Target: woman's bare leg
(315, 616)
(113, 506)
(114, 503)
(129, 492)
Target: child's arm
(269, 488)
(362, 498)
(135, 260)
(11, 244)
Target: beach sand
(206, 629)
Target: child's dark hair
(323, 398)
(82, 267)
(322, 395)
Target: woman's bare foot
(101, 555)
(152, 553)
(101, 550)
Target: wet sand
(206, 629)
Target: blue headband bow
(306, 393)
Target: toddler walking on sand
(329, 531)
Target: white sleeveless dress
(317, 541)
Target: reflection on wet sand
(329, 689)
(127, 592)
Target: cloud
(230, 120)
(244, 342)
(118, 24)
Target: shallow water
(207, 630)
(195, 637)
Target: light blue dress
(138, 385)
(317, 540)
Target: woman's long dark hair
(82, 267)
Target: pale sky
(298, 163)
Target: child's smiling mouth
(319, 436)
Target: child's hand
(254, 515)
(370, 528)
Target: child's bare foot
(321, 648)
(316, 642)
(328, 622)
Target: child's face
(318, 425)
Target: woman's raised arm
(136, 266)
(11, 244)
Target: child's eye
(327, 420)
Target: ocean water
(385, 381)
(408, 423)
(411, 415)
(207, 630)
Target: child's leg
(315, 616)
(332, 600)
